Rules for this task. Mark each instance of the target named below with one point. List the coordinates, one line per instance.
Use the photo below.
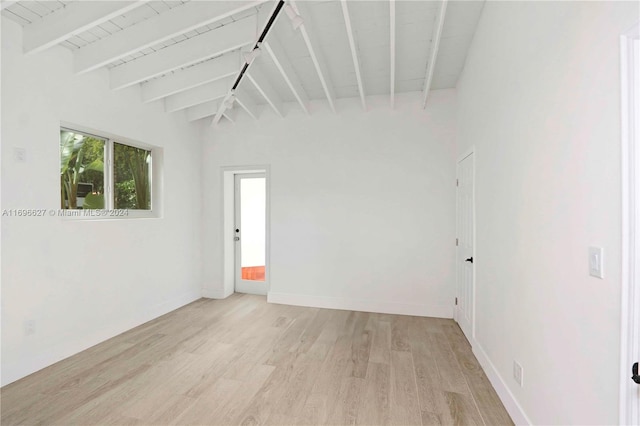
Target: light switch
(595, 262)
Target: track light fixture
(250, 56)
(296, 20)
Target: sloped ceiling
(189, 54)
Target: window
(100, 173)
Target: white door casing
(630, 307)
(465, 260)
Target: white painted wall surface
(540, 100)
(362, 203)
(83, 282)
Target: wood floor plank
(486, 398)
(345, 408)
(380, 340)
(256, 379)
(361, 347)
(336, 366)
(451, 376)
(462, 409)
(404, 407)
(430, 419)
(374, 404)
(399, 333)
(244, 361)
(290, 337)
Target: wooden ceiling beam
(392, 51)
(354, 52)
(246, 103)
(281, 61)
(208, 45)
(203, 110)
(256, 76)
(75, 18)
(312, 46)
(221, 67)
(435, 45)
(206, 92)
(155, 30)
(7, 3)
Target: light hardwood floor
(243, 361)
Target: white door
(250, 233)
(464, 308)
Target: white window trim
(109, 213)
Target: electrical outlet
(29, 327)
(517, 373)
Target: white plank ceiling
(188, 54)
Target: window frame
(110, 213)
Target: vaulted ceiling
(190, 55)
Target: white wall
(540, 100)
(82, 282)
(362, 204)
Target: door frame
(630, 294)
(228, 178)
(465, 154)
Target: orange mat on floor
(253, 273)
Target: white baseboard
(29, 365)
(214, 293)
(383, 307)
(514, 409)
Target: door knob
(634, 371)
(470, 260)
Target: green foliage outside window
(131, 175)
(82, 165)
(81, 161)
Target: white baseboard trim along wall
(438, 311)
(66, 349)
(514, 409)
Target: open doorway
(246, 230)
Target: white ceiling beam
(281, 61)
(354, 52)
(230, 114)
(244, 100)
(435, 45)
(155, 30)
(256, 76)
(180, 80)
(314, 52)
(207, 92)
(73, 19)
(7, 3)
(199, 48)
(392, 51)
(220, 112)
(203, 110)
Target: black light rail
(272, 19)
